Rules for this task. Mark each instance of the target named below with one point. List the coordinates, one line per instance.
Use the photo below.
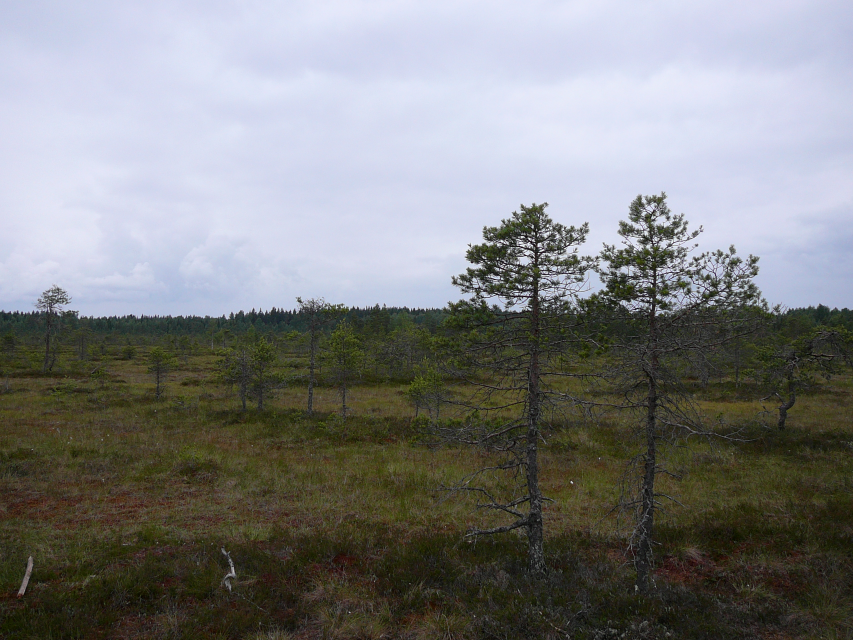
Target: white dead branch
(27, 575)
(231, 574)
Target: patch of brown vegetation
(692, 568)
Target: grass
(337, 530)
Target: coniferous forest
(632, 444)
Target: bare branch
(232, 574)
(27, 575)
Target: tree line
(375, 319)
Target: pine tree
(511, 353)
(672, 307)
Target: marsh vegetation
(337, 529)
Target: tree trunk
(46, 346)
(645, 527)
(344, 401)
(783, 409)
(736, 347)
(312, 359)
(54, 349)
(792, 398)
(704, 374)
(535, 548)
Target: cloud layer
(213, 156)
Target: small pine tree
(345, 359)
(160, 362)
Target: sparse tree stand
(345, 360)
(160, 362)
(671, 307)
(530, 265)
(52, 303)
(250, 365)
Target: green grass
(337, 529)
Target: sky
(211, 156)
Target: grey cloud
(818, 259)
(205, 157)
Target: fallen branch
(231, 575)
(27, 575)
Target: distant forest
(371, 320)
(374, 320)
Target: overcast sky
(205, 157)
